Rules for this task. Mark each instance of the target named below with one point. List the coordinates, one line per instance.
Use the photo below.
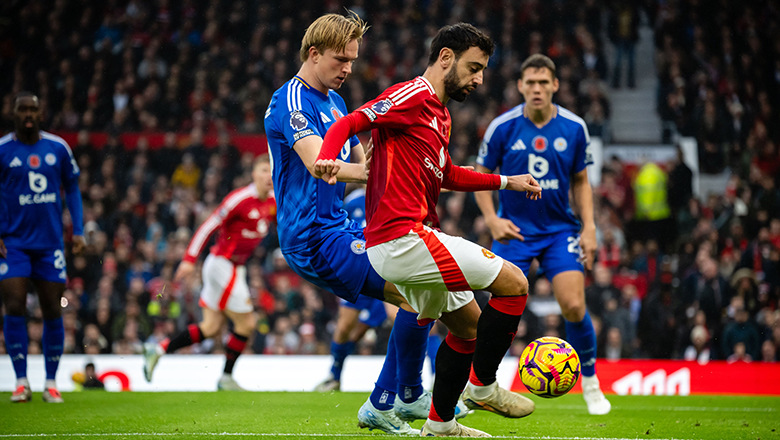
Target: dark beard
(452, 85)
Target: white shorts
(224, 286)
(435, 272)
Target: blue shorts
(38, 264)
(559, 252)
(372, 311)
(337, 262)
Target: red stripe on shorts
(448, 268)
(228, 289)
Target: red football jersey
(411, 131)
(244, 220)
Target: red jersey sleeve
(205, 230)
(397, 107)
(462, 179)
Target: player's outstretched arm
(335, 138)
(332, 171)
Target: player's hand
(184, 271)
(503, 230)
(3, 250)
(78, 244)
(326, 169)
(588, 244)
(525, 182)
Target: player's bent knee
(573, 310)
(209, 329)
(510, 282)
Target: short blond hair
(332, 31)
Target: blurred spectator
(623, 28)
(601, 291)
(741, 332)
(699, 350)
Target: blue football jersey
(355, 205)
(30, 180)
(306, 206)
(551, 154)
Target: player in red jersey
(244, 218)
(435, 272)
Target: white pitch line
(676, 408)
(251, 434)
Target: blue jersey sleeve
(491, 150)
(583, 156)
(69, 175)
(297, 119)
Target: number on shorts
(59, 259)
(574, 245)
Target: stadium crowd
(708, 291)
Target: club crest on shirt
(381, 107)
(298, 121)
(336, 113)
(3, 268)
(540, 144)
(560, 144)
(34, 161)
(358, 247)
(489, 255)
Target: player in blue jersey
(552, 144)
(34, 166)
(354, 318)
(317, 238)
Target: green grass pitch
(134, 416)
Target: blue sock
(53, 340)
(15, 330)
(340, 353)
(411, 342)
(582, 337)
(434, 341)
(383, 395)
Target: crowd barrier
(303, 373)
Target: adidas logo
(15, 163)
(325, 119)
(519, 145)
(434, 124)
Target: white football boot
(457, 430)
(500, 401)
(22, 394)
(594, 398)
(152, 354)
(372, 418)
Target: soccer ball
(549, 367)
